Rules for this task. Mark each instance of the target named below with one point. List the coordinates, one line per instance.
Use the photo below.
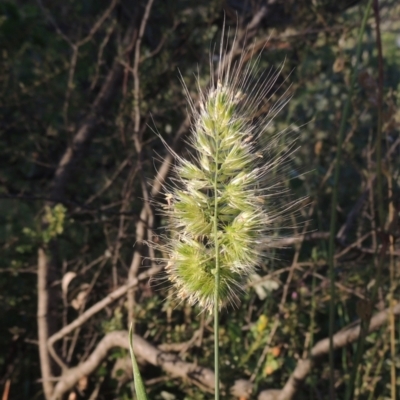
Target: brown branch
(126, 196)
(70, 83)
(98, 23)
(144, 215)
(170, 363)
(83, 136)
(109, 182)
(294, 240)
(116, 294)
(136, 80)
(110, 30)
(85, 133)
(92, 31)
(54, 23)
(43, 326)
(6, 391)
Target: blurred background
(86, 87)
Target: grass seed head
(219, 198)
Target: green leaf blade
(139, 385)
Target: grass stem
(217, 279)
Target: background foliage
(78, 84)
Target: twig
(87, 293)
(6, 391)
(99, 23)
(70, 83)
(126, 196)
(140, 226)
(54, 23)
(54, 200)
(102, 46)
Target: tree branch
(83, 136)
(143, 350)
(144, 215)
(116, 294)
(43, 326)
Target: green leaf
(139, 385)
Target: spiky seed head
(220, 187)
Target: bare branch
(98, 23)
(136, 91)
(116, 294)
(74, 153)
(43, 327)
(54, 23)
(144, 215)
(85, 133)
(143, 350)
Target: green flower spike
(217, 207)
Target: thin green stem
(334, 204)
(217, 279)
(377, 374)
(312, 326)
(360, 350)
(364, 325)
(381, 205)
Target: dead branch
(43, 326)
(144, 215)
(172, 364)
(74, 153)
(116, 294)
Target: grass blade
(139, 385)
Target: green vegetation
(91, 106)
